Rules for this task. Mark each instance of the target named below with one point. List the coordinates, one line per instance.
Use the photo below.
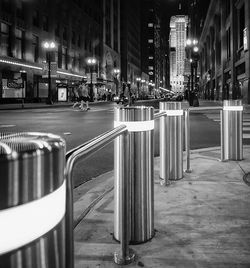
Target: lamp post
(49, 46)
(138, 80)
(91, 62)
(116, 73)
(192, 50)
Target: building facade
(177, 39)
(76, 28)
(224, 51)
(111, 60)
(130, 43)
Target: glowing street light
(49, 46)
(116, 72)
(196, 49)
(91, 62)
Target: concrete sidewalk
(201, 221)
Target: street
(77, 127)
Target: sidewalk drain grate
(246, 178)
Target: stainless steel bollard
(32, 200)
(232, 130)
(171, 142)
(134, 163)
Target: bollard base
(164, 182)
(188, 170)
(123, 260)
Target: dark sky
(171, 8)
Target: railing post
(232, 130)
(171, 142)
(134, 162)
(222, 148)
(124, 255)
(187, 140)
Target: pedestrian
(84, 97)
(76, 97)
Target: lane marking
(7, 125)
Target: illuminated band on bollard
(171, 142)
(231, 130)
(133, 171)
(33, 200)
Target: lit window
(150, 57)
(150, 41)
(150, 67)
(150, 25)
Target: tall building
(111, 59)
(76, 28)
(177, 39)
(224, 51)
(130, 42)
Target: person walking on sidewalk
(84, 97)
(77, 100)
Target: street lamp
(192, 55)
(138, 80)
(116, 73)
(49, 46)
(91, 62)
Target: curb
(107, 183)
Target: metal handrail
(72, 157)
(204, 108)
(160, 114)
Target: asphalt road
(77, 127)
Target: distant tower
(177, 39)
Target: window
(65, 34)
(20, 9)
(6, 6)
(19, 43)
(5, 39)
(65, 58)
(45, 23)
(150, 41)
(228, 36)
(35, 47)
(73, 40)
(150, 57)
(86, 42)
(151, 68)
(59, 57)
(227, 8)
(79, 41)
(115, 25)
(35, 18)
(150, 25)
(57, 30)
(108, 22)
(241, 25)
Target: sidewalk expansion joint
(246, 179)
(92, 204)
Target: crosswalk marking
(246, 122)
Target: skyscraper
(177, 39)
